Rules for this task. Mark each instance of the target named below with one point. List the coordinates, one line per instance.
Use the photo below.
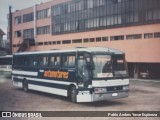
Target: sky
(16, 5)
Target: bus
(6, 66)
(82, 74)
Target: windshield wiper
(122, 77)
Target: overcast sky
(16, 5)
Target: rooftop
(87, 49)
(1, 32)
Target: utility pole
(10, 28)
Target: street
(144, 96)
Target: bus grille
(115, 88)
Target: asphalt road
(144, 96)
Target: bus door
(83, 69)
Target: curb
(146, 80)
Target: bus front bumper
(102, 96)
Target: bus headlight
(126, 87)
(100, 90)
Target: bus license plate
(115, 94)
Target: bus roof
(83, 49)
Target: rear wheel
(73, 94)
(25, 86)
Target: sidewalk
(146, 80)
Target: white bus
(5, 66)
(82, 74)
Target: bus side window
(52, 63)
(65, 61)
(69, 61)
(43, 61)
(55, 60)
(34, 61)
(21, 60)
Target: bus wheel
(25, 86)
(73, 94)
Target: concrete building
(1, 37)
(3, 50)
(132, 26)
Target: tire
(25, 86)
(73, 94)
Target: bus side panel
(50, 80)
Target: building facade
(1, 37)
(3, 50)
(132, 26)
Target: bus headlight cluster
(126, 87)
(100, 90)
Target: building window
(148, 35)
(87, 15)
(58, 42)
(66, 42)
(153, 14)
(28, 34)
(79, 5)
(14, 45)
(28, 17)
(45, 43)
(17, 20)
(157, 35)
(43, 14)
(92, 39)
(67, 26)
(98, 39)
(117, 1)
(120, 37)
(90, 3)
(77, 41)
(56, 10)
(40, 43)
(104, 38)
(86, 40)
(54, 42)
(72, 7)
(17, 33)
(43, 30)
(135, 36)
(49, 43)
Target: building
(1, 37)
(132, 26)
(3, 50)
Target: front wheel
(73, 94)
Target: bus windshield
(102, 65)
(109, 66)
(119, 66)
